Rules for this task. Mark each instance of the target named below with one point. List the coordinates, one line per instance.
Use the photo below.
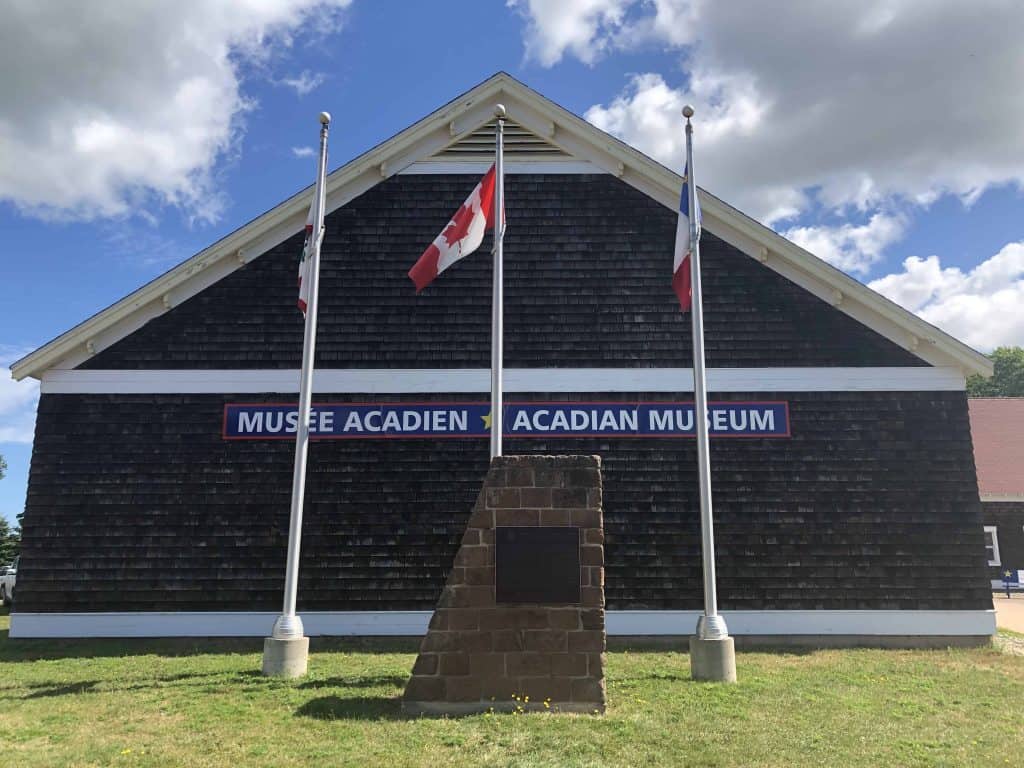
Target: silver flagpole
(288, 626)
(497, 301)
(710, 626)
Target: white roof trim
(911, 378)
(446, 126)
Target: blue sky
(847, 131)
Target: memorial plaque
(537, 565)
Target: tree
(10, 542)
(1007, 379)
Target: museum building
(845, 494)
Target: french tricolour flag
(460, 237)
(681, 263)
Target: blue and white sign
(339, 421)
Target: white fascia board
(866, 624)
(575, 136)
(477, 380)
(1003, 497)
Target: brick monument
(522, 612)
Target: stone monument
(520, 622)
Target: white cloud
(673, 22)
(845, 103)
(589, 29)
(852, 248)
(305, 82)
(105, 108)
(841, 107)
(18, 400)
(303, 151)
(983, 307)
(583, 27)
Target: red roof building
(997, 430)
(997, 426)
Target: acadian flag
(460, 237)
(681, 264)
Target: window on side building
(992, 545)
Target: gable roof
(997, 430)
(444, 135)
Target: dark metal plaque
(537, 565)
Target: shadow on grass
(186, 680)
(662, 677)
(675, 644)
(42, 649)
(357, 681)
(46, 691)
(365, 644)
(21, 650)
(354, 708)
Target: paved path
(1009, 612)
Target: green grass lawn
(162, 703)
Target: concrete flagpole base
(713, 660)
(285, 658)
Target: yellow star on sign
(487, 420)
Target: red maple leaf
(458, 227)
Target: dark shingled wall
(1008, 517)
(588, 269)
(136, 503)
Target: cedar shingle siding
(135, 502)
(588, 264)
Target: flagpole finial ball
(687, 111)
(499, 110)
(325, 118)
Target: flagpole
(497, 301)
(285, 651)
(714, 661)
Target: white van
(8, 574)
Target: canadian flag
(461, 237)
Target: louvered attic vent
(519, 142)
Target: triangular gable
(544, 129)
